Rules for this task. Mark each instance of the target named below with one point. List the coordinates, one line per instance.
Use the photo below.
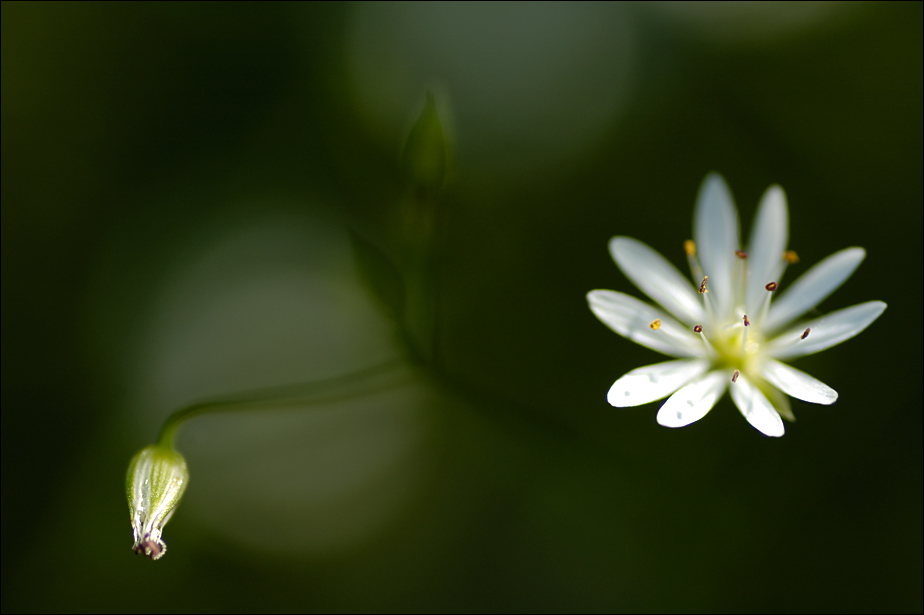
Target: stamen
(735, 377)
(741, 254)
(765, 304)
(785, 342)
(655, 324)
(744, 336)
(689, 246)
(710, 311)
(788, 258)
(709, 349)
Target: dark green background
(127, 126)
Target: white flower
(725, 328)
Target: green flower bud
(157, 477)
(424, 158)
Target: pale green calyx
(157, 477)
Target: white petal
(715, 229)
(825, 332)
(657, 278)
(653, 382)
(813, 286)
(631, 318)
(797, 384)
(692, 402)
(767, 244)
(755, 407)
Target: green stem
(327, 390)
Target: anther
(772, 286)
(702, 287)
(741, 254)
(689, 246)
(790, 257)
(655, 324)
(735, 376)
(806, 332)
(698, 329)
(747, 323)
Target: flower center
(734, 345)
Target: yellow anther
(790, 257)
(655, 324)
(689, 247)
(702, 287)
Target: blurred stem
(428, 255)
(434, 278)
(354, 384)
(424, 163)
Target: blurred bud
(424, 157)
(157, 477)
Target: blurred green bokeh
(179, 187)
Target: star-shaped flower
(725, 328)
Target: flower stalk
(158, 475)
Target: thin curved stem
(346, 386)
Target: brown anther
(772, 286)
(698, 329)
(655, 324)
(735, 376)
(689, 246)
(702, 287)
(790, 257)
(806, 332)
(747, 323)
(741, 254)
